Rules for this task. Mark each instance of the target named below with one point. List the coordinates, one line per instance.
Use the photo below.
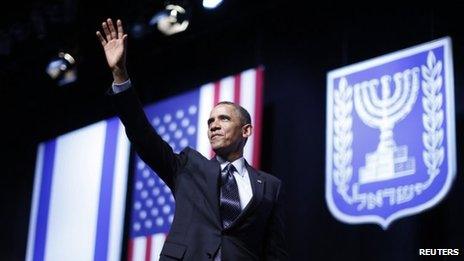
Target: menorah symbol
(388, 161)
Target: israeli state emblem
(391, 149)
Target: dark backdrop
(297, 44)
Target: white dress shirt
(120, 87)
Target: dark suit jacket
(196, 232)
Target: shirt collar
(239, 164)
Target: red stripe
(217, 92)
(258, 117)
(237, 82)
(148, 249)
(130, 250)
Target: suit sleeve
(152, 149)
(276, 246)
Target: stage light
(172, 20)
(138, 30)
(210, 4)
(62, 69)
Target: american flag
(181, 122)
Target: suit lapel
(257, 186)
(212, 178)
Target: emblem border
(444, 42)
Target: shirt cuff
(120, 87)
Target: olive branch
(343, 138)
(432, 118)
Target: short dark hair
(242, 112)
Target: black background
(297, 44)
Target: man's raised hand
(114, 44)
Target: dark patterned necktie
(230, 201)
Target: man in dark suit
(225, 209)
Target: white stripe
(75, 188)
(227, 89)
(205, 107)
(139, 249)
(157, 242)
(247, 101)
(121, 169)
(35, 202)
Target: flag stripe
(139, 249)
(130, 250)
(157, 245)
(247, 101)
(217, 92)
(237, 86)
(148, 249)
(258, 116)
(44, 201)
(74, 194)
(118, 195)
(217, 95)
(227, 89)
(34, 200)
(106, 185)
(207, 99)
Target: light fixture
(173, 19)
(62, 69)
(210, 4)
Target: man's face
(225, 130)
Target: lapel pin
(259, 181)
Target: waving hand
(114, 43)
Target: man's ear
(247, 130)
